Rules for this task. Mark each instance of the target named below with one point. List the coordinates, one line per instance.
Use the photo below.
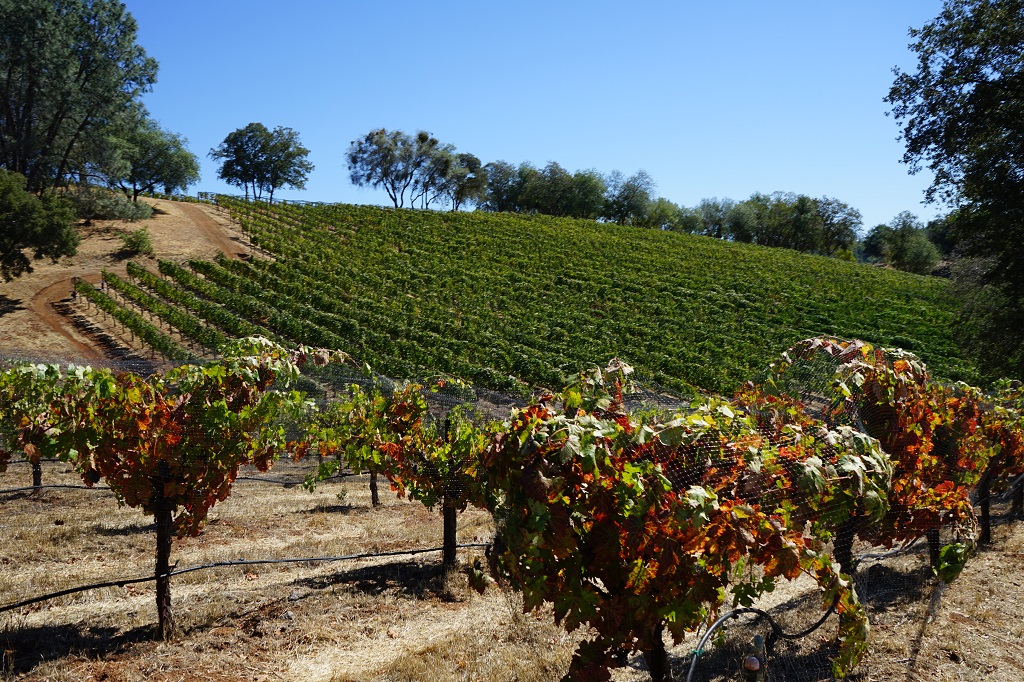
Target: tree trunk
(164, 535)
(374, 495)
(934, 546)
(37, 478)
(657, 658)
(450, 514)
(843, 545)
(1017, 505)
(984, 498)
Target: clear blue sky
(711, 98)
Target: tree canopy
(66, 69)
(384, 158)
(263, 160)
(903, 244)
(962, 116)
(428, 169)
(139, 156)
(627, 198)
(38, 225)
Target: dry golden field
(399, 618)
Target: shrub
(98, 204)
(138, 241)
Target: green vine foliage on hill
(510, 302)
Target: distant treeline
(421, 170)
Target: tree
(587, 192)
(140, 156)
(740, 222)
(504, 187)
(875, 243)
(384, 158)
(287, 165)
(256, 158)
(628, 198)
(781, 219)
(466, 182)
(961, 113)
(689, 221)
(839, 225)
(714, 217)
(432, 163)
(240, 154)
(66, 68)
(903, 244)
(40, 225)
(662, 214)
(940, 232)
(548, 191)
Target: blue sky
(711, 98)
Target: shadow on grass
(883, 588)
(805, 660)
(126, 254)
(123, 531)
(9, 305)
(346, 509)
(22, 649)
(405, 578)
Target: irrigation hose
(52, 485)
(234, 562)
(776, 630)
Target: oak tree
(139, 156)
(263, 160)
(31, 227)
(66, 68)
(961, 110)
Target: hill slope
(499, 299)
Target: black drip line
(235, 562)
(777, 631)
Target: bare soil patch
(30, 325)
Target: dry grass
(277, 621)
(401, 618)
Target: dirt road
(32, 326)
(43, 306)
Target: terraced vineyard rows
(507, 301)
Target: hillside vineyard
(510, 302)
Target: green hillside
(500, 299)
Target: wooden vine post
(391, 433)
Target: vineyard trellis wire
(121, 582)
